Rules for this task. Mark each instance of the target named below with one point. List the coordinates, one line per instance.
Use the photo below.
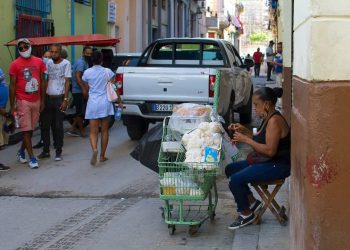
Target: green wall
(7, 33)
(102, 27)
(62, 21)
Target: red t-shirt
(28, 74)
(257, 57)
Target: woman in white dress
(98, 107)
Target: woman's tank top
(283, 151)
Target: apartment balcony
(212, 22)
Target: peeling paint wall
(320, 122)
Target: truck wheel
(245, 112)
(136, 127)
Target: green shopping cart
(188, 189)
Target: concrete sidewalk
(269, 235)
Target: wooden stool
(269, 200)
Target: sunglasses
(23, 48)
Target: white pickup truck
(179, 70)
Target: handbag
(254, 157)
(111, 93)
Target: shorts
(80, 104)
(29, 113)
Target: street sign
(112, 12)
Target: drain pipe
(72, 28)
(93, 16)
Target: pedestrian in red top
(258, 58)
(27, 95)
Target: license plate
(162, 107)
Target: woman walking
(98, 107)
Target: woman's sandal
(103, 159)
(93, 160)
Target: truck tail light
(212, 79)
(119, 82)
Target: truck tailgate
(165, 84)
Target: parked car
(178, 70)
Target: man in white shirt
(59, 73)
(269, 59)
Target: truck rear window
(186, 54)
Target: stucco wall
(320, 36)
(7, 33)
(62, 21)
(102, 27)
(321, 94)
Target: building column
(319, 197)
(285, 36)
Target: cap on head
(272, 42)
(23, 40)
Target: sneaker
(40, 144)
(33, 163)
(241, 222)
(44, 155)
(21, 156)
(58, 156)
(4, 168)
(73, 133)
(257, 205)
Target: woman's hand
(237, 127)
(120, 104)
(240, 137)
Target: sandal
(103, 159)
(93, 160)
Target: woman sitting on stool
(270, 159)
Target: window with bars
(85, 2)
(32, 20)
(40, 8)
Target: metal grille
(40, 8)
(85, 2)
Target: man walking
(269, 59)
(27, 95)
(59, 73)
(257, 57)
(46, 59)
(278, 63)
(80, 91)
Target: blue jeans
(241, 173)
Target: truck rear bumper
(143, 109)
(135, 109)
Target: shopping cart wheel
(171, 229)
(193, 229)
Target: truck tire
(245, 112)
(135, 126)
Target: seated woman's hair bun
(269, 94)
(278, 92)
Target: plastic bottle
(118, 114)
(15, 114)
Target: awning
(88, 39)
